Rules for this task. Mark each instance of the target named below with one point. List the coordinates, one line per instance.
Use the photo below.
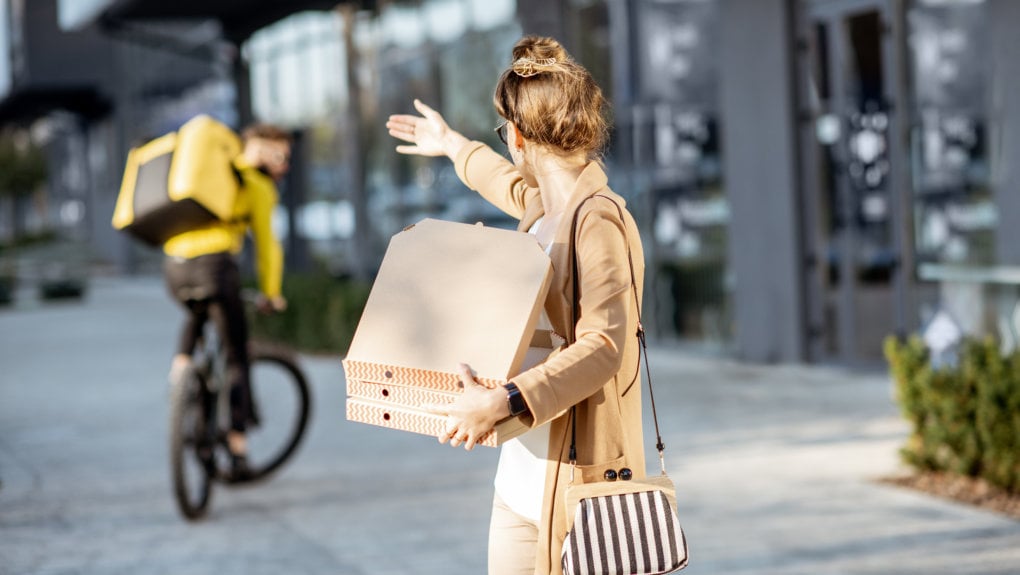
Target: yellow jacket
(599, 372)
(253, 209)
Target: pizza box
(446, 293)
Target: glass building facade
(792, 163)
(954, 205)
(665, 158)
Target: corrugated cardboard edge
(399, 375)
(401, 395)
(403, 418)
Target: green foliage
(27, 241)
(62, 288)
(322, 314)
(998, 422)
(22, 166)
(7, 286)
(965, 419)
(694, 285)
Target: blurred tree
(22, 170)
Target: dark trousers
(209, 287)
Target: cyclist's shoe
(239, 468)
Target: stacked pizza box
(446, 293)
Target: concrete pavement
(775, 469)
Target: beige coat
(600, 372)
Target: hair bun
(539, 48)
(551, 99)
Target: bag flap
(576, 492)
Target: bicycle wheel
(191, 445)
(282, 402)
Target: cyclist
(201, 265)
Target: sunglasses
(501, 132)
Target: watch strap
(515, 400)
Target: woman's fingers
(402, 119)
(426, 111)
(459, 422)
(404, 130)
(428, 132)
(467, 375)
(457, 436)
(453, 434)
(452, 424)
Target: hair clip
(527, 67)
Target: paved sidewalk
(775, 469)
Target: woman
(554, 128)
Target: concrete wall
(759, 157)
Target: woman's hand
(473, 414)
(429, 133)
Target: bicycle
(200, 419)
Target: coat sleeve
(268, 252)
(494, 177)
(595, 357)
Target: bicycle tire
(288, 383)
(191, 446)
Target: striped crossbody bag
(621, 526)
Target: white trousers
(513, 541)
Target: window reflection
(678, 63)
(954, 209)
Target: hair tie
(528, 67)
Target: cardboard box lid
(448, 293)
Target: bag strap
(642, 350)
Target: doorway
(852, 171)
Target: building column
(241, 72)
(760, 159)
(1004, 125)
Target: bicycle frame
(201, 419)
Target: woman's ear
(516, 137)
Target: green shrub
(694, 286)
(965, 418)
(322, 314)
(998, 421)
(62, 288)
(8, 283)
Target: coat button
(610, 475)
(626, 474)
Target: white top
(520, 475)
